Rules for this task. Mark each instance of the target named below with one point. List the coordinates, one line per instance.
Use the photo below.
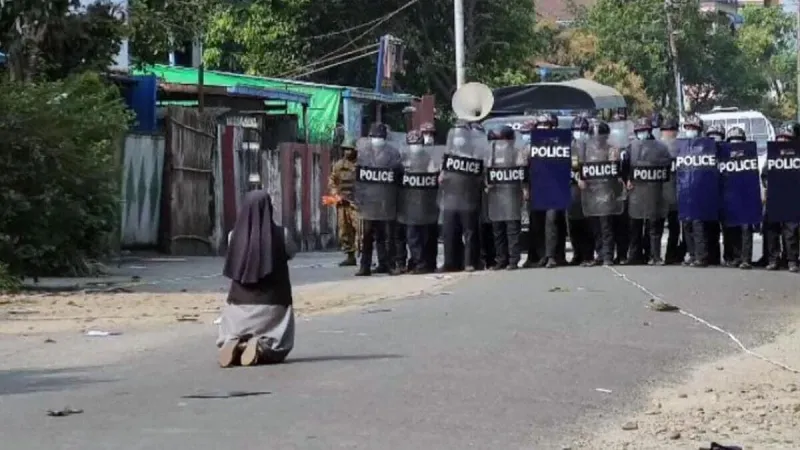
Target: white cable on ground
(704, 322)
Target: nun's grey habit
(257, 323)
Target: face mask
(656, 133)
(577, 135)
(782, 139)
(526, 138)
(459, 142)
(691, 134)
(378, 142)
(415, 148)
(669, 135)
(642, 135)
(427, 139)
(542, 127)
(716, 138)
(735, 140)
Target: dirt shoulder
(54, 313)
(740, 400)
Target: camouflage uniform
(341, 183)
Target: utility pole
(458, 10)
(673, 50)
(797, 25)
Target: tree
(51, 39)
(159, 26)
(628, 83)
(58, 180)
(767, 41)
(301, 36)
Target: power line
(335, 64)
(320, 61)
(382, 20)
(357, 27)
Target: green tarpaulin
(323, 110)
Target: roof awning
(581, 94)
(372, 96)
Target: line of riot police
(611, 195)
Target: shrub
(58, 174)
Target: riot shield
(603, 191)
(575, 210)
(621, 131)
(506, 174)
(670, 190)
(651, 165)
(549, 169)
(419, 186)
(783, 181)
(378, 172)
(698, 182)
(462, 171)
(741, 185)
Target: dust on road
(80, 311)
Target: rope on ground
(702, 321)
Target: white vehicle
(755, 125)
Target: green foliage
(58, 178)
(258, 37)
(159, 26)
(767, 41)
(9, 283)
(50, 39)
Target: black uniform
(581, 234)
(786, 233)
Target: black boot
(349, 260)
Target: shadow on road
(44, 380)
(311, 359)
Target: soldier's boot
(397, 271)
(381, 268)
(699, 264)
(349, 260)
(745, 266)
(551, 263)
(364, 272)
(512, 266)
(772, 265)
(529, 264)
(793, 267)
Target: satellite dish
(473, 102)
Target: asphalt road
(508, 360)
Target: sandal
(229, 353)
(251, 354)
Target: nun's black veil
(250, 252)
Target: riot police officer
(431, 250)
(738, 240)
(647, 173)
(580, 229)
(676, 247)
(694, 231)
(714, 229)
(777, 233)
(601, 185)
(547, 229)
(505, 193)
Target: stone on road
(503, 361)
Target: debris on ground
(63, 412)
(662, 306)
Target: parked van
(757, 127)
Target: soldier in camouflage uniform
(340, 184)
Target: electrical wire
(347, 30)
(320, 61)
(335, 64)
(382, 20)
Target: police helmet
(642, 124)
(694, 122)
(527, 126)
(656, 120)
(599, 128)
(715, 130)
(413, 137)
(427, 127)
(378, 130)
(669, 124)
(789, 130)
(543, 120)
(505, 133)
(580, 123)
(736, 134)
